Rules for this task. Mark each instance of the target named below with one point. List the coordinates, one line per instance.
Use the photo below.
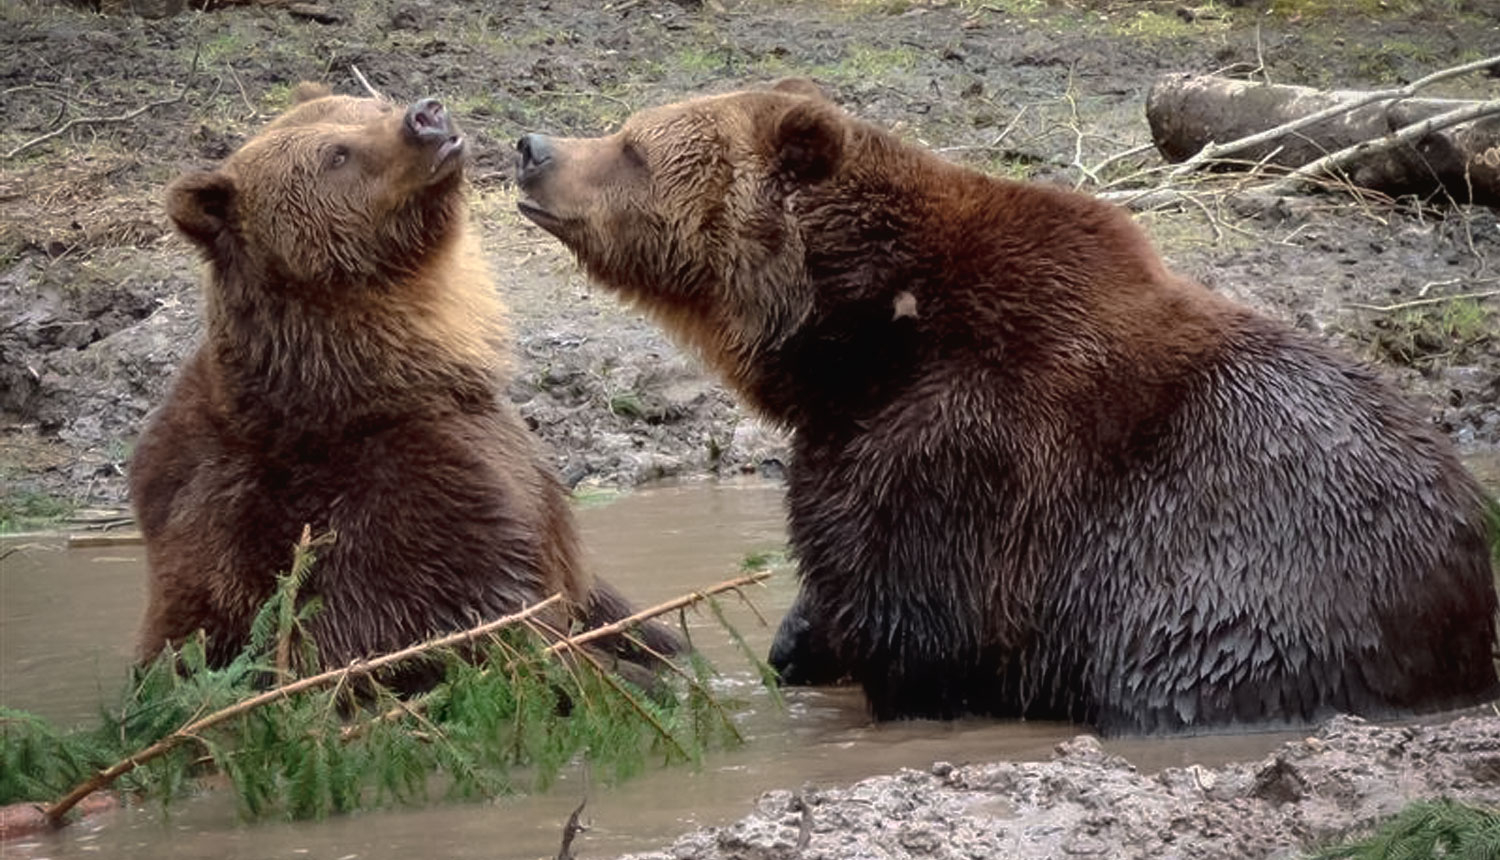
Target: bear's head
(339, 191)
(692, 211)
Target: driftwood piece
(1188, 113)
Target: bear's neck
(964, 275)
(298, 361)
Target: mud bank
(1087, 803)
(98, 300)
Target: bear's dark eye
(337, 156)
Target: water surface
(67, 619)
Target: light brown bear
(1036, 474)
(351, 379)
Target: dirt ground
(99, 302)
(1087, 803)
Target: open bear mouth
(448, 157)
(539, 215)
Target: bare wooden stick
(1409, 134)
(659, 609)
(365, 82)
(1417, 303)
(189, 731)
(571, 831)
(1134, 150)
(1215, 150)
(78, 121)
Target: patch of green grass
(628, 404)
(277, 98)
(700, 61)
(1434, 333)
(28, 510)
(1493, 518)
(540, 37)
(1018, 8)
(876, 7)
(1153, 25)
(869, 63)
(1372, 8)
(1009, 167)
(476, 104)
(1430, 828)
(227, 45)
(1410, 50)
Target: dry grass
(79, 204)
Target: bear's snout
(428, 125)
(533, 151)
(428, 120)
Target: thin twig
(244, 96)
(365, 82)
(1417, 303)
(577, 95)
(1409, 134)
(659, 609)
(79, 121)
(571, 831)
(1134, 150)
(104, 778)
(1260, 57)
(1010, 126)
(106, 120)
(1213, 150)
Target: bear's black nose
(533, 150)
(427, 120)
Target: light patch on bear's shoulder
(905, 305)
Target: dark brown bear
(351, 380)
(1036, 474)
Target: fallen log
(1394, 144)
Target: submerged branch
(190, 731)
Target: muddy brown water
(67, 618)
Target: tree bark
(1187, 112)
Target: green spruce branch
(516, 694)
(193, 731)
(1429, 828)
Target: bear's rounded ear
(800, 87)
(201, 204)
(309, 90)
(808, 142)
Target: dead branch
(1435, 300)
(365, 82)
(571, 831)
(191, 730)
(1405, 136)
(79, 121)
(1212, 150)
